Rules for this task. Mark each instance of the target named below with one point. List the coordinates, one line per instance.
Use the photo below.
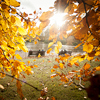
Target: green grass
(40, 79)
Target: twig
(86, 15)
(21, 81)
(80, 83)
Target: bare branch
(21, 81)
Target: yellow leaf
(79, 75)
(50, 44)
(18, 56)
(19, 90)
(90, 38)
(43, 24)
(35, 65)
(24, 48)
(38, 38)
(39, 55)
(59, 44)
(74, 60)
(52, 70)
(17, 22)
(97, 53)
(98, 48)
(55, 66)
(28, 62)
(77, 64)
(14, 3)
(87, 47)
(89, 58)
(98, 68)
(86, 66)
(13, 11)
(22, 31)
(56, 50)
(35, 42)
(49, 50)
(13, 19)
(1, 86)
(61, 65)
(46, 15)
(34, 60)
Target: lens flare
(58, 19)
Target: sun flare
(58, 19)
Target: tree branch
(86, 15)
(21, 81)
(15, 77)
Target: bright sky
(30, 5)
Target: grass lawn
(40, 79)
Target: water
(43, 46)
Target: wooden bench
(31, 53)
(63, 52)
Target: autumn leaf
(90, 38)
(86, 66)
(59, 44)
(52, 70)
(69, 64)
(28, 62)
(39, 55)
(56, 59)
(55, 66)
(14, 3)
(19, 90)
(44, 24)
(56, 49)
(64, 79)
(22, 31)
(98, 68)
(77, 64)
(43, 93)
(38, 38)
(46, 15)
(12, 19)
(34, 60)
(87, 47)
(53, 75)
(89, 58)
(53, 98)
(97, 53)
(17, 22)
(97, 59)
(61, 65)
(48, 51)
(18, 56)
(35, 65)
(50, 44)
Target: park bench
(31, 53)
(63, 52)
